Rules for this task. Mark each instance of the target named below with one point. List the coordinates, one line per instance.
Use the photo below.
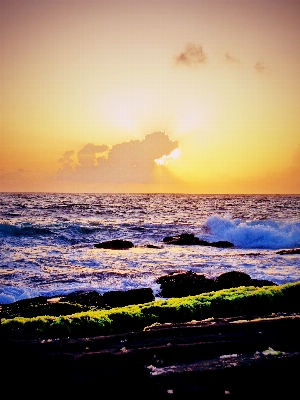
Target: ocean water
(47, 240)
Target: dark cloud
(192, 56)
(230, 58)
(127, 162)
(259, 67)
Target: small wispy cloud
(230, 58)
(259, 67)
(192, 56)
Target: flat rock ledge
(244, 357)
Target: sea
(47, 240)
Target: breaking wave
(263, 234)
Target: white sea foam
(47, 240)
(266, 234)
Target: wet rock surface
(75, 302)
(115, 244)
(181, 284)
(189, 239)
(288, 251)
(177, 284)
(118, 298)
(242, 357)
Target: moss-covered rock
(224, 303)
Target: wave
(262, 234)
(23, 230)
(10, 294)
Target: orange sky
(150, 96)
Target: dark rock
(75, 302)
(184, 284)
(207, 360)
(233, 279)
(184, 239)
(262, 282)
(37, 306)
(290, 251)
(152, 246)
(181, 284)
(119, 298)
(88, 299)
(116, 244)
(222, 244)
(189, 239)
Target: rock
(116, 244)
(213, 359)
(222, 244)
(262, 282)
(152, 246)
(184, 239)
(29, 308)
(184, 284)
(119, 298)
(181, 284)
(233, 279)
(88, 299)
(290, 251)
(189, 239)
(75, 302)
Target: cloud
(87, 155)
(192, 56)
(127, 162)
(259, 66)
(230, 58)
(66, 157)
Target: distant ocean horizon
(47, 239)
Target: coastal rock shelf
(177, 284)
(180, 284)
(241, 357)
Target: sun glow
(191, 116)
(126, 108)
(165, 160)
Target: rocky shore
(176, 284)
(240, 358)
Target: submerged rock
(152, 246)
(290, 251)
(189, 239)
(184, 239)
(222, 244)
(116, 244)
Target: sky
(151, 96)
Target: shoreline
(211, 359)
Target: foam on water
(265, 234)
(47, 240)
